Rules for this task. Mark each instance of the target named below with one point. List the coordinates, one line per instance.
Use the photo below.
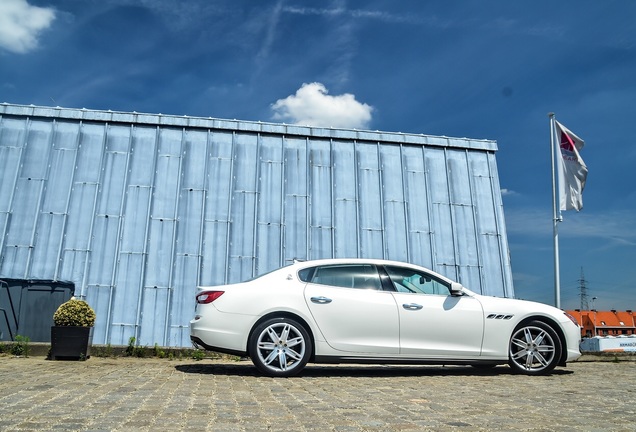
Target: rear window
(305, 275)
(360, 276)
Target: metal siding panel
(170, 142)
(104, 252)
(486, 223)
(345, 200)
(219, 179)
(466, 240)
(135, 219)
(36, 151)
(112, 184)
(418, 211)
(444, 256)
(9, 166)
(214, 260)
(194, 155)
(166, 188)
(189, 222)
(370, 202)
(46, 250)
(118, 137)
(268, 247)
(295, 200)
(466, 253)
(504, 252)
(73, 266)
(159, 253)
(12, 131)
(59, 182)
(153, 316)
(270, 204)
(80, 216)
(395, 222)
(243, 208)
(126, 299)
(142, 166)
(482, 189)
(493, 282)
(217, 205)
(470, 277)
(4, 223)
(168, 174)
(14, 261)
(490, 235)
(320, 222)
(459, 186)
(99, 297)
(182, 301)
(24, 212)
(89, 157)
(66, 135)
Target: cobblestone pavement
(151, 394)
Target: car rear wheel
(280, 347)
(534, 349)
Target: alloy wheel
(281, 347)
(533, 349)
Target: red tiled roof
(605, 319)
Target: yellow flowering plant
(74, 313)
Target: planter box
(71, 343)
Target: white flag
(572, 169)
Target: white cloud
(20, 24)
(609, 228)
(356, 13)
(313, 106)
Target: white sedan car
(377, 311)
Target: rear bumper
(220, 332)
(199, 344)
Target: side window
(305, 275)
(407, 280)
(360, 276)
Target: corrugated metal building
(133, 211)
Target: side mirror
(456, 289)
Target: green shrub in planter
(74, 313)
(71, 336)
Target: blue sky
(480, 69)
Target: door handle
(412, 306)
(321, 300)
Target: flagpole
(556, 216)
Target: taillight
(206, 297)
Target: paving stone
(150, 394)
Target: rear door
(351, 310)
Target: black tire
(280, 347)
(534, 349)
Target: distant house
(605, 323)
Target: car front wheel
(280, 347)
(534, 349)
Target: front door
(432, 322)
(440, 325)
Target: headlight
(576, 323)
